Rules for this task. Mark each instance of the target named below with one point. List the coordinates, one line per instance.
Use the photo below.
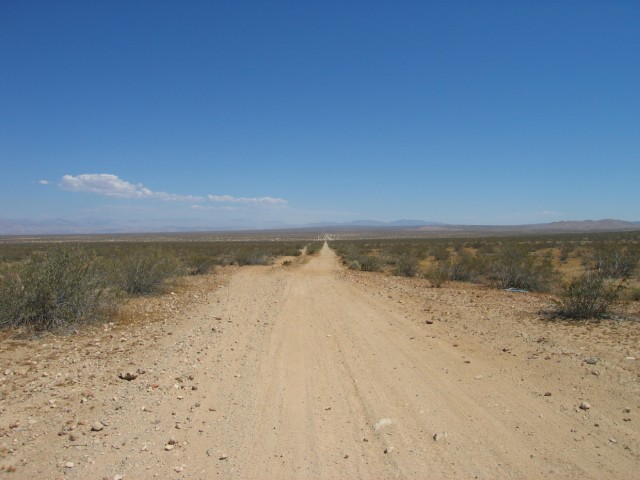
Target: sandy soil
(312, 371)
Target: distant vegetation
(587, 272)
(47, 286)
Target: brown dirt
(312, 371)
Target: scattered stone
(429, 322)
(128, 376)
(168, 447)
(179, 468)
(547, 394)
(327, 408)
(172, 441)
(584, 406)
(630, 358)
(439, 436)
(97, 426)
(613, 440)
(224, 456)
(383, 422)
(73, 437)
(388, 450)
(69, 465)
(626, 410)
(118, 477)
(591, 360)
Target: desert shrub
(514, 267)
(464, 268)
(354, 265)
(633, 294)
(407, 266)
(314, 247)
(439, 251)
(287, 263)
(199, 264)
(63, 286)
(588, 296)
(369, 263)
(143, 271)
(615, 262)
(437, 274)
(252, 258)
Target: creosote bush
(437, 274)
(407, 267)
(514, 267)
(588, 296)
(54, 289)
(143, 271)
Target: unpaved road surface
(312, 371)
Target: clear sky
(218, 113)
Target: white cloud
(247, 200)
(112, 186)
(43, 182)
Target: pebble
(591, 360)
(224, 456)
(179, 468)
(388, 450)
(439, 436)
(584, 406)
(96, 426)
(69, 465)
(128, 376)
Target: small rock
(179, 468)
(172, 441)
(584, 406)
(169, 447)
(224, 456)
(388, 450)
(69, 465)
(439, 436)
(547, 394)
(613, 440)
(626, 409)
(591, 360)
(97, 426)
(128, 376)
(73, 437)
(118, 477)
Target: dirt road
(310, 371)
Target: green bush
(369, 263)
(199, 264)
(437, 274)
(589, 296)
(407, 267)
(615, 262)
(54, 289)
(143, 271)
(514, 267)
(464, 268)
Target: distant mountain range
(375, 223)
(98, 226)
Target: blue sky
(258, 112)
